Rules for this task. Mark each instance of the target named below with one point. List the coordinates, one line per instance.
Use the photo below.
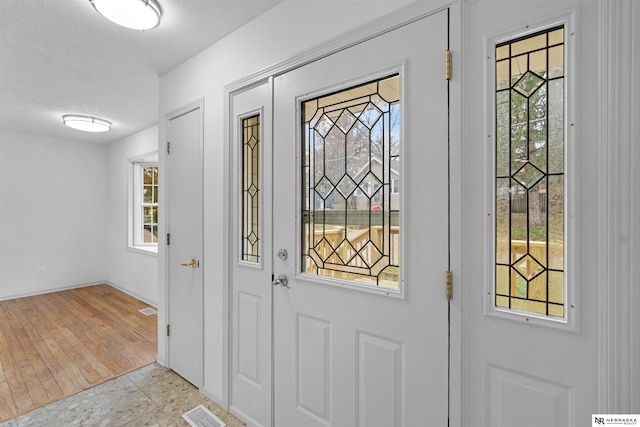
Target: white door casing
(184, 225)
(345, 356)
(251, 290)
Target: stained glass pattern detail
(350, 208)
(250, 243)
(529, 175)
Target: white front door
(361, 206)
(250, 314)
(184, 177)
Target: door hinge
(449, 286)
(168, 238)
(447, 65)
(168, 330)
(168, 147)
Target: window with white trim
(144, 207)
(395, 186)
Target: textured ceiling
(62, 57)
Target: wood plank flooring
(57, 344)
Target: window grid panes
(251, 189)
(149, 204)
(529, 174)
(351, 184)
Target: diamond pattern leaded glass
(528, 175)
(530, 182)
(251, 189)
(350, 217)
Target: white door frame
(164, 214)
(618, 229)
(377, 27)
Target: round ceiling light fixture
(136, 14)
(86, 123)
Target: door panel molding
(548, 402)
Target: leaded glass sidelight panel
(251, 189)
(351, 184)
(529, 174)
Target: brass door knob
(193, 263)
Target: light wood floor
(57, 344)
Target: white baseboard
(49, 291)
(160, 361)
(212, 396)
(151, 303)
(244, 417)
(205, 391)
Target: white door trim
(384, 24)
(362, 33)
(618, 208)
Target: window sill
(145, 250)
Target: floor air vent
(202, 417)
(148, 311)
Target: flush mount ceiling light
(86, 123)
(135, 14)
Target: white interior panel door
(184, 133)
(354, 348)
(250, 319)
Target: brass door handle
(193, 263)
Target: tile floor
(150, 396)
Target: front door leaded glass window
(530, 178)
(351, 184)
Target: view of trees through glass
(530, 178)
(351, 184)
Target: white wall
(279, 34)
(133, 271)
(52, 213)
(64, 207)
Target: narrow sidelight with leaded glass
(251, 189)
(530, 175)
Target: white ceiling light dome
(135, 14)
(86, 123)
